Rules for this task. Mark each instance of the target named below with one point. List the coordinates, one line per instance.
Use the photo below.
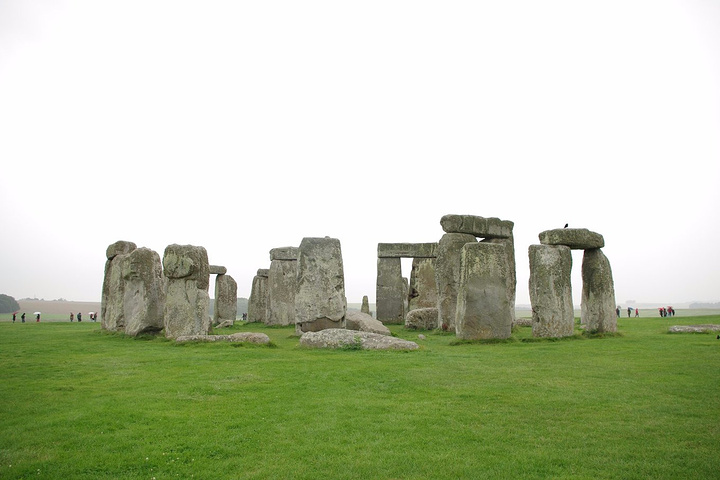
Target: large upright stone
(551, 291)
(257, 303)
(144, 293)
(225, 299)
(447, 275)
(111, 301)
(282, 283)
(423, 289)
(598, 293)
(390, 291)
(483, 307)
(575, 238)
(511, 279)
(187, 274)
(365, 307)
(320, 301)
(477, 226)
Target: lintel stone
(284, 253)
(407, 250)
(575, 238)
(217, 270)
(482, 227)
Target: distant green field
(78, 403)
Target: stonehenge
(550, 289)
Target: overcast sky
(244, 126)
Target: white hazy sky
(243, 126)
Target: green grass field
(76, 402)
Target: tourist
(37, 317)
(629, 311)
(637, 313)
(22, 317)
(79, 317)
(14, 316)
(617, 311)
(71, 317)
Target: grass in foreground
(79, 403)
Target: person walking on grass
(37, 317)
(637, 313)
(14, 316)
(79, 317)
(71, 317)
(22, 317)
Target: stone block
(225, 299)
(422, 318)
(284, 253)
(447, 275)
(477, 226)
(407, 250)
(597, 307)
(121, 247)
(575, 238)
(217, 270)
(551, 291)
(390, 293)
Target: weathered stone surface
(523, 322)
(477, 226)
(244, 337)
(365, 308)
(217, 270)
(224, 324)
(338, 338)
(390, 291)
(284, 253)
(187, 274)
(257, 303)
(447, 275)
(281, 286)
(364, 323)
(694, 328)
(483, 306)
(575, 238)
(225, 299)
(597, 307)
(423, 289)
(143, 292)
(422, 318)
(120, 247)
(189, 262)
(263, 272)
(320, 297)
(113, 294)
(407, 250)
(551, 291)
(511, 279)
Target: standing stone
(423, 289)
(390, 291)
(483, 307)
(320, 301)
(225, 300)
(282, 283)
(187, 274)
(365, 308)
(111, 307)
(551, 291)
(257, 304)
(511, 279)
(144, 294)
(597, 308)
(447, 275)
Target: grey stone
(257, 303)
(120, 247)
(242, 337)
(407, 250)
(694, 328)
(187, 274)
(390, 291)
(511, 279)
(421, 337)
(365, 308)
(143, 292)
(281, 286)
(477, 226)
(225, 299)
(284, 253)
(483, 307)
(551, 291)
(423, 289)
(320, 301)
(339, 338)
(263, 272)
(447, 275)
(364, 323)
(597, 307)
(225, 324)
(523, 322)
(575, 238)
(113, 294)
(422, 318)
(217, 270)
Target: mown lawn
(76, 402)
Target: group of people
(666, 312)
(630, 311)
(93, 317)
(22, 317)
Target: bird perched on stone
(565, 225)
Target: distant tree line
(8, 304)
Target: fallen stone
(225, 324)
(422, 318)
(575, 238)
(523, 322)
(339, 338)
(245, 337)
(362, 322)
(478, 226)
(694, 328)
